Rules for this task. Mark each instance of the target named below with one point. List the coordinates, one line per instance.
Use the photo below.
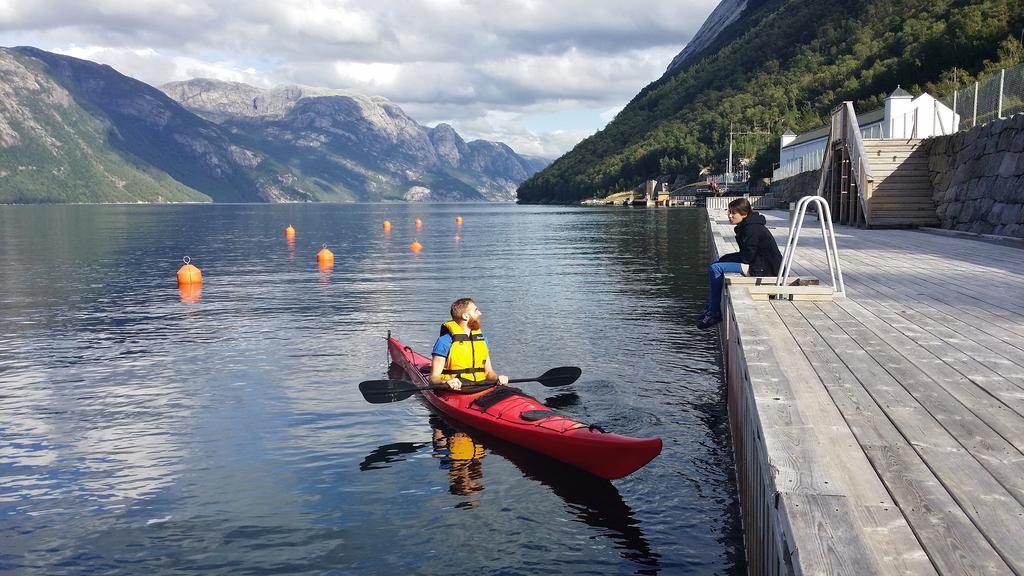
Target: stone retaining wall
(795, 187)
(978, 178)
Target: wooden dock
(881, 433)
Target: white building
(903, 116)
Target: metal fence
(721, 203)
(998, 96)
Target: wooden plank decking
(882, 433)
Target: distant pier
(881, 433)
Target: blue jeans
(716, 280)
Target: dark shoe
(708, 320)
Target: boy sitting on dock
(758, 256)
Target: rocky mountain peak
(450, 147)
(723, 15)
(219, 100)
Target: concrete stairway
(901, 194)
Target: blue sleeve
(442, 346)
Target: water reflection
(383, 456)
(190, 293)
(591, 500)
(462, 457)
(562, 401)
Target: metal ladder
(828, 233)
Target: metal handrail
(828, 234)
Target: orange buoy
(458, 219)
(387, 225)
(325, 266)
(416, 246)
(419, 223)
(289, 232)
(325, 256)
(189, 274)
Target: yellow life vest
(466, 357)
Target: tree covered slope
(784, 64)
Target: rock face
(222, 100)
(364, 146)
(49, 144)
(978, 178)
(722, 16)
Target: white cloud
(609, 114)
(154, 68)
(374, 75)
(485, 66)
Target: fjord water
(148, 430)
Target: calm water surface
(148, 430)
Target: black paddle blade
(562, 376)
(386, 391)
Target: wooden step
(869, 148)
(890, 199)
(901, 185)
(879, 142)
(877, 212)
(922, 186)
(892, 221)
(898, 223)
(902, 165)
(889, 161)
(923, 176)
(886, 219)
(902, 196)
(917, 200)
(890, 158)
(910, 204)
(892, 144)
(897, 150)
(877, 172)
(889, 167)
(907, 141)
(878, 154)
(880, 161)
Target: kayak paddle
(385, 391)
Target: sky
(537, 75)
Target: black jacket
(757, 247)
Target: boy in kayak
(758, 256)
(460, 354)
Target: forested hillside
(784, 64)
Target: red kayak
(508, 414)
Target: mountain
(72, 130)
(782, 64)
(367, 145)
(77, 131)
